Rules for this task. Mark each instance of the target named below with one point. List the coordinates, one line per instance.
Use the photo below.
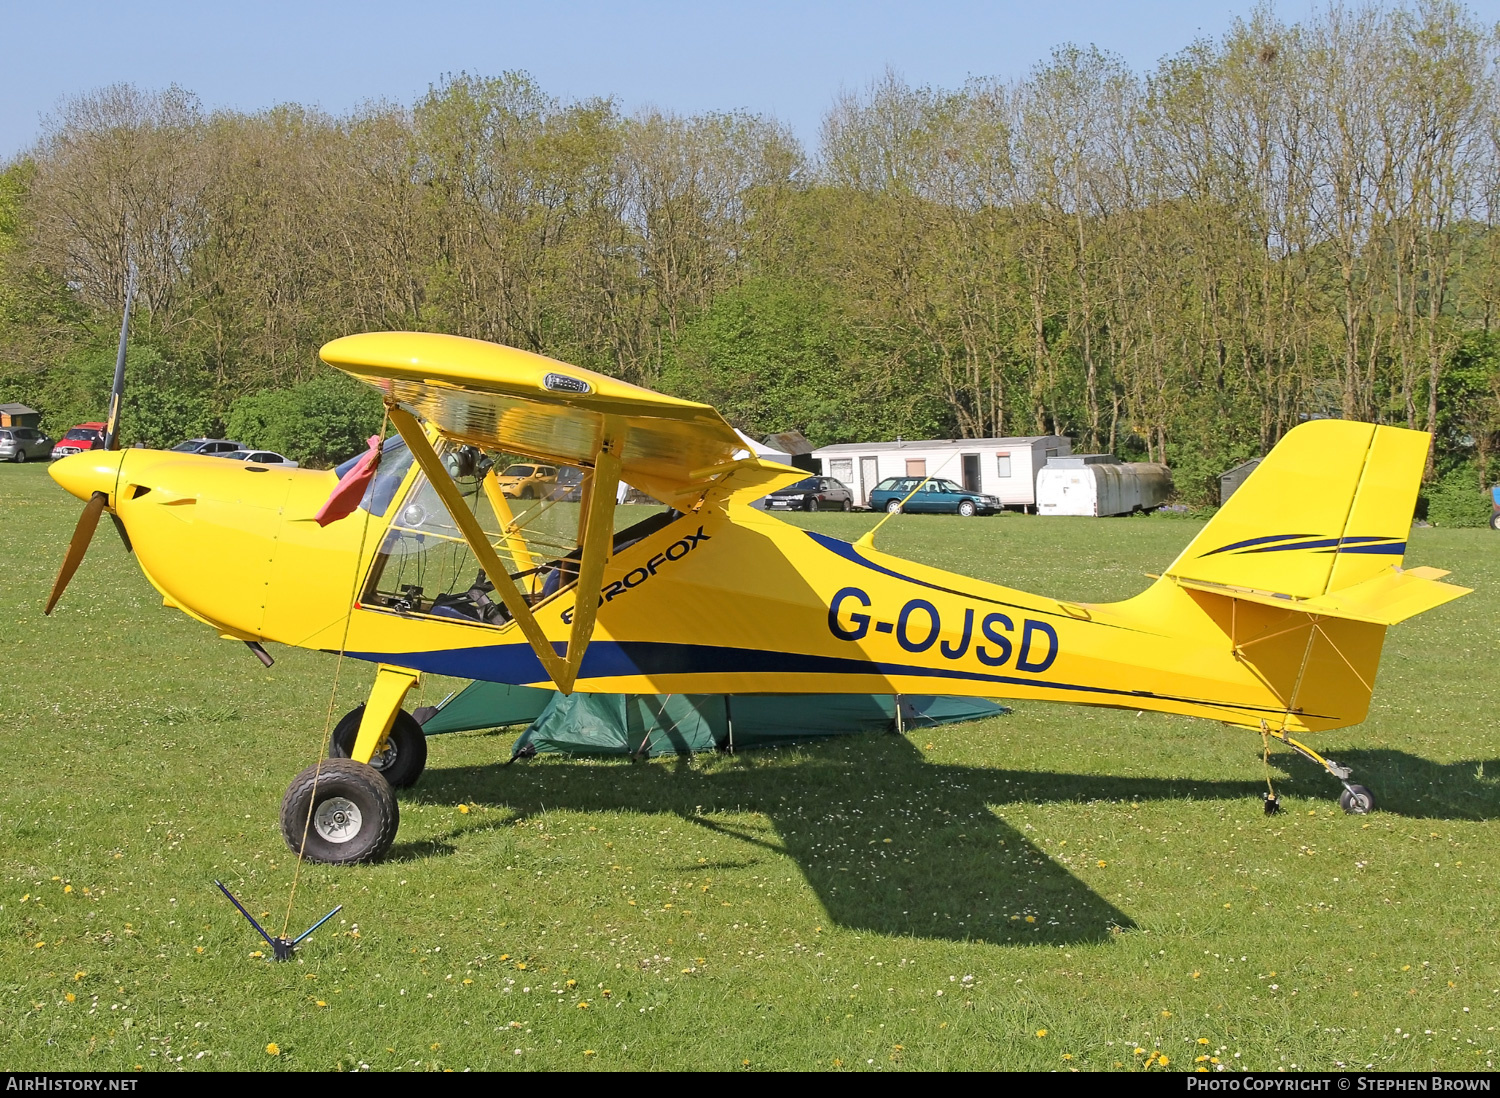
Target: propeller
(88, 522)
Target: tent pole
(729, 720)
(900, 718)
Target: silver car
(20, 444)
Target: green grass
(865, 903)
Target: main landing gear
(343, 809)
(1355, 799)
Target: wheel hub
(337, 819)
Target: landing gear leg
(1356, 799)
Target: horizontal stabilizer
(1386, 599)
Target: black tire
(20, 455)
(405, 755)
(893, 507)
(966, 508)
(346, 809)
(1495, 521)
(809, 504)
(1357, 800)
(846, 506)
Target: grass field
(1059, 888)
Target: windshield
(78, 432)
(519, 471)
(187, 447)
(810, 485)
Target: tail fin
(1301, 568)
(1327, 510)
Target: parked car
(569, 487)
(20, 444)
(75, 440)
(812, 494)
(935, 497)
(527, 481)
(261, 457)
(215, 446)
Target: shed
(795, 444)
(1229, 482)
(1002, 467)
(1101, 484)
(18, 415)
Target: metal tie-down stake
(281, 948)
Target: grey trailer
(1101, 484)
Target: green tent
(668, 724)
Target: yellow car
(526, 481)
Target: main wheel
(847, 506)
(809, 504)
(966, 508)
(346, 810)
(894, 506)
(1357, 800)
(20, 455)
(405, 754)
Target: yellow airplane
(1272, 619)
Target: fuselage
(722, 599)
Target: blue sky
(777, 57)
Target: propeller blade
(117, 390)
(120, 529)
(83, 533)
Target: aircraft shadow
(897, 845)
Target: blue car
(939, 497)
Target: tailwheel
(346, 810)
(404, 756)
(1357, 800)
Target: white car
(260, 457)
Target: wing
(500, 398)
(523, 403)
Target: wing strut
(597, 522)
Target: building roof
(938, 444)
(18, 410)
(789, 442)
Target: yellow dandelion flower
(468, 982)
(1102, 863)
(1406, 968)
(79, 975)
(1119, 1063)
(256, 953)
(588, 1052)
(1140, 1051)
(583, 1006)
(435, 1046)
(463, 808)
(198, 948)
(1162, 1060)
(520, 964)
(1201, 1060)
(1031, 918)
(606, 993)
(1041, 1033)
(321, 1003)
(71, 997)
(67, 888)
(39, 945)
(1226, 907)
(273, 1049)
(26, 897)
(1204, 1040)
(837, 1062)
(1166, 1014)
(572, 983)
(1067, 1056)
(1196, 975)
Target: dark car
(936, 496)
(569, 487)
(23, 443)
(214, 446)
(812, 494)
